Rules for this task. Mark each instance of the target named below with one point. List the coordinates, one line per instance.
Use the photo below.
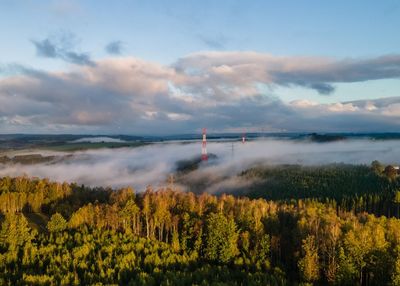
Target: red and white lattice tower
(244, 138)
(204, 156)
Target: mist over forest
(154, 163)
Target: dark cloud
(77, 58)
(231, 68)
(61, 47)
(45, 48)
(214, 42)
(345, 71)
(114, 48)
(323, 88)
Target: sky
(167, 67)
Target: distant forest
(335, 225)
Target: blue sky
(333, 28)
(165, 32)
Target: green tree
(347, 269)
(263, 251)
(309, 265)
(15, 231)
(129, 216)
(396, 269)
(56, 223)
(377, 167)
(396, 200)
(221, 238)
(175, 242)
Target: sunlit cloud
(222, 90)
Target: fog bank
(151, 164)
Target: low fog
(97, 140)
(152, 164)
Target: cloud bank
(224, 91)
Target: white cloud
(222, 90)
(304, 103)
(370, 106)
(178, 116)
(392, 110)
(342, 107)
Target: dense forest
(347, 187)
(64, 234)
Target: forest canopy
(64, 234)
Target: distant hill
(321, 138)
(189, 165)
(65, 142)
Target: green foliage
(347, 272)
(56, 223)
(396, 272)
(263, 251)
(221, 238)
(309, 264)
(175, 242)
(165, 237)
(15, 231)
(396, 198)
(335, 181)
(377, 167)
(349, 187)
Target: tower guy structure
(204, 156)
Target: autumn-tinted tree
(56, 223)
(390, 172)
(309, 264)
(168, 237)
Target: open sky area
(167, 67)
